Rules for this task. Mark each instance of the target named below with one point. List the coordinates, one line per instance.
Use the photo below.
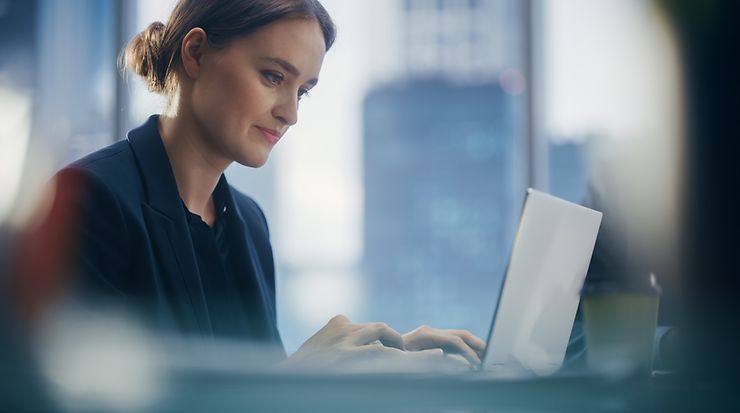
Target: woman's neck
(196, 167)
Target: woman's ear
(192, 50)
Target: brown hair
(154, 54)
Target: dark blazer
(135, 243)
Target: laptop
(541, 288)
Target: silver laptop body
(541, 288)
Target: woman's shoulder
(113, 167)
(112, 159)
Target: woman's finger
(377, 349)
(377, 332)
(451, 343)
(471, 340)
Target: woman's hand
(340, 341)
(459, 342)
(344, 346)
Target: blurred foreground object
(41, 256)
(708, 33)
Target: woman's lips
(270, 135)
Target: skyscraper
(465, 41)
(443, 176)
(440, 196)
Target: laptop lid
(541, 288)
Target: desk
(237, 392)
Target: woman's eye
(272, 77)
(302, 93)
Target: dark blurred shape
(34, 273)
(708, 33)
(21, 387)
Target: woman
(162, 230)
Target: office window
(57, 92)
(76, 81)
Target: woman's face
(245, 97)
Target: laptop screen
(541, 288)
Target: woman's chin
(254, 161)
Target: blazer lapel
(250, 272)
(168, 227)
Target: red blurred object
(40, 261)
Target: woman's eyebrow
(288, 67)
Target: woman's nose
(287, 110)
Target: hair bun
(144, 55)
